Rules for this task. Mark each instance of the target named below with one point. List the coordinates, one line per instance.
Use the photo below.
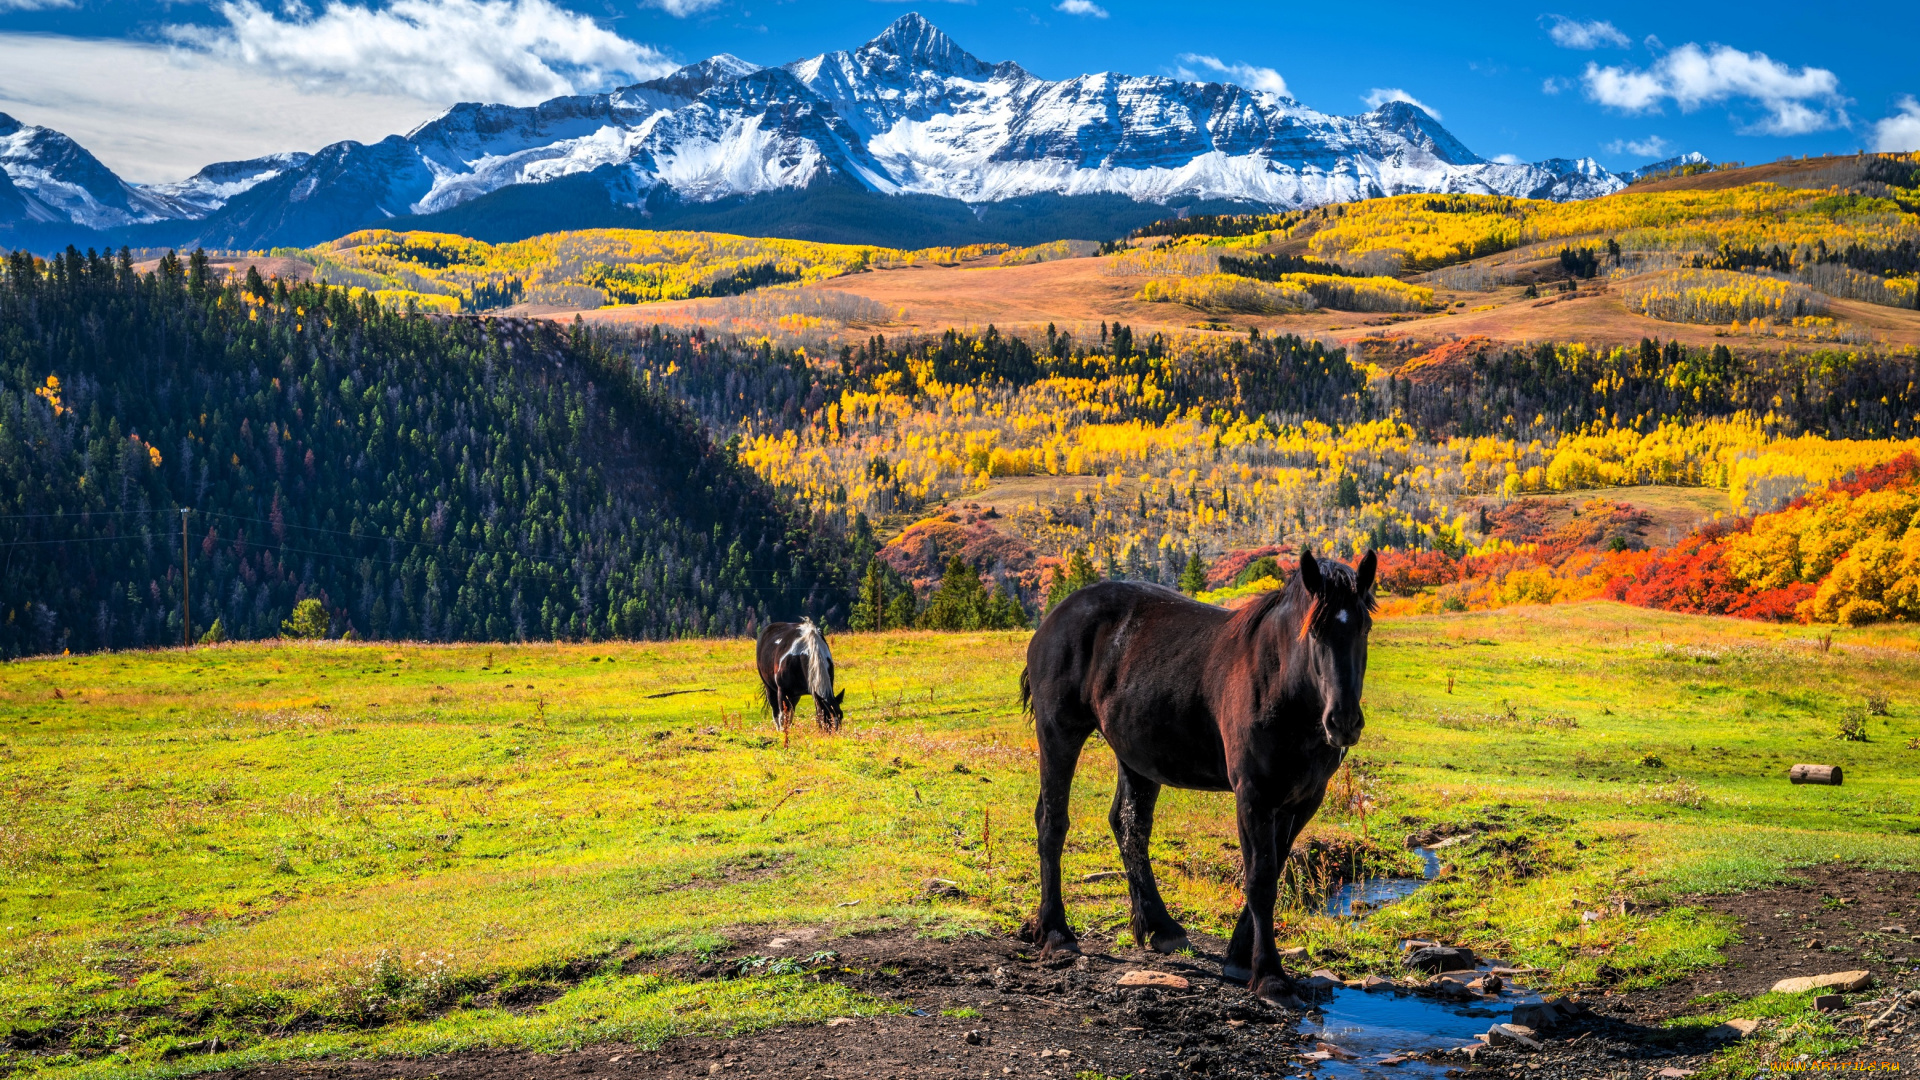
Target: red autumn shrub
(1404, 573)
(1228, 566)
(1692, 577)
(1598, 525)
(1903, 471)
(1520, 521)
(1774, 605)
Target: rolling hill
(446, 480)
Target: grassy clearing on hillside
(348, 850)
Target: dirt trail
(1034, 1019)
(1068, 1017)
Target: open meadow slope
(329, 850)
(1488, 260)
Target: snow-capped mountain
(214, 186)
(1693, 157)
(909, 113)
(54, 179)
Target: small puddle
(1384, 1023)
(1373, 893)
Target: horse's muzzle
(1343, 732)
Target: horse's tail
(819, 661)
(772, 695)
(1026, 693)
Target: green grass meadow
(360, 849)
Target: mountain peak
(1423, 129)
(730, 64)
(917, 42)
(695, 79)
(1691, 157)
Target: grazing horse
(1262, 702)
(794, 660)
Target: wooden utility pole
(186, 590)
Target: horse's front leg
(1239, 963)
(1261, 830)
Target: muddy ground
(1068, 1017)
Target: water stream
(1373, 893)
(1382, 1023)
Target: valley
(389, 526)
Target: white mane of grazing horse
(819, 661)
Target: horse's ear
(838, 698)
(1368, 563)
(1310, 572)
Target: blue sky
(159, 88)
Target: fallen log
(1815, 774)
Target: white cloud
(1553, 84)
(514, 51)
(680, 9)
(154, 114)
(1901, 131)
(1507, 159)
(33, 5)
(1379, 96)
(1081, 7)
(1574, 34)
(1652, 146)
(1253, 78)
(1690, 77)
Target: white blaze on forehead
(1341, 615)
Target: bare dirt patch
(1017, 1016)
(1672, 512)
(1027, 1018)
(270, 267)
(1812, 172)
(1598, 315)
(1832, 922)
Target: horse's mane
(1246, 622)
(819, 660)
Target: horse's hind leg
(1132, 820)
(1060, 745)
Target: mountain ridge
(909, 112)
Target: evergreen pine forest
(424, 479)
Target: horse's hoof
(1058, 944)
(1236, 973)
(1169, 943)
(1280, 992)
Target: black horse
(1263, 702)
(794, 660)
